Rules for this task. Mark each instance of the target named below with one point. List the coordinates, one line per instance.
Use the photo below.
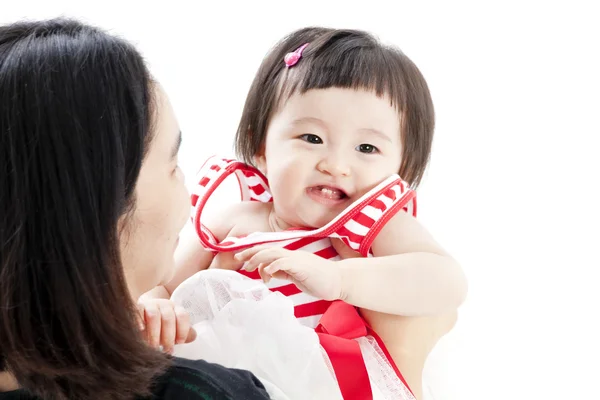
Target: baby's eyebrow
(377, 133)
(311, 120)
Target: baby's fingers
(168, 327)
(183, 325)
(140, 317)
(263, 275)
(245, 255)
(265, 257)
(153, 324)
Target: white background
(512, 187)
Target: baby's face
(325, 149)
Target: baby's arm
(190, 258)
(410, 274)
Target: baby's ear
(260, 161)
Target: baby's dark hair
(341, 58)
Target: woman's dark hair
(342, 59)
(75, 122)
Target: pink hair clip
(293, 57)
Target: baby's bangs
(340, 65)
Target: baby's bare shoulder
(239, 219)
(249, 217)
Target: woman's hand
(164, 323)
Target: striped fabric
(357, 226)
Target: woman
(92, 202)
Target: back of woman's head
(341, 58)
(74, 125)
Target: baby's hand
(225, 260)
(312, 274)
(164, 323)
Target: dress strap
(360, 231)
(252, 183)
(357, 226)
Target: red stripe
(204, 237)
(414, 204)
(204, 181)
(250, 274)
(308, 310)
(346, 242)
(215, 167)
(301, 243)
(257, 189)
(287, 290)
(327, 253)
(364, 219)
(380, 205)
(391, 193)
(195, 198)
(343, 231)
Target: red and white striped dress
(357, 227)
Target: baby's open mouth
(328, 192)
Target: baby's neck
(277, 224)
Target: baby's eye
(310, 138)
(366, 148)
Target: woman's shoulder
(192, 380)
(198, 379)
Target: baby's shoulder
(249, 217)
(239, 219)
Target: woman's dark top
(192, 380)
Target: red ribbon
(337, 329)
